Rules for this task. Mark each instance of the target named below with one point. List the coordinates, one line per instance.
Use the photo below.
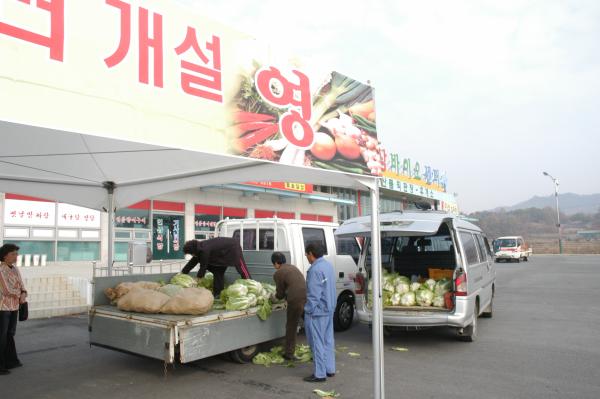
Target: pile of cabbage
(302, 353)
(400, 291)
(245, 294)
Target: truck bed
(171, 338)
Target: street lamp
(555, 181)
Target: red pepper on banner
(145, 42)
(201, 77)
(55, 41)
(280, 92)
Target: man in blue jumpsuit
(318, 313)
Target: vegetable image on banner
(276, 117)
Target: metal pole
(560, 246)
(110, 188)
(377, 322)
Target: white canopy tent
(105, 174)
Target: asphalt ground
(543, 342)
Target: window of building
(35, 248)
(78, 251)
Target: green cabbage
(408, 299)
(238, 303)
(264, 311)
(252, 299)
(402, 287)
(183, 280)
(269, 288)
(415, 286)
(430, 283)
(303, 353)
(207, 281)
(395, 300)
(171, 289)
(424, 297)
(402, 279)
(254, 287)
(236, 290)
(438, 301)
(442, 286)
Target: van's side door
(476, 268)
(488, 272)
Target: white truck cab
(259, 238)
(511, 249)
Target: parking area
(543, 342)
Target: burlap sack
(142, 300)
(194, 301)
(123, 288)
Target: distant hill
(569, 203)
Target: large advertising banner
(157, 73)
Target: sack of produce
(424, 297)
(193, 300)
(238, 303)
(438, 301)
(408, 299)
(171, 289)
(236, 290)
(254, 287)
(121, 289)
(142, 300)
(184, 280)
(415, 286)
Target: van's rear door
(393, 224)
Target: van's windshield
(504, 243)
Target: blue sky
(493, 92)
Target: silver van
(429, 244)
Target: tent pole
(377, 329)
(110, 189)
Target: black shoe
(4, 372)
(14, 365)
(312, 378)
(330, 375)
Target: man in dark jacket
(291, 286)
(215, 255)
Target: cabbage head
(386, 298)
(254, 287)
(430, 283)
(265, 310)
(415, 286)
(424, 297)
(238, 303)
(438, 301)
(396, 299)
(408, 299)
(236, 290)
(442, 286)
(388, 285)
(402, 279)
(402, 287)
(183, 280)
(253, 300)
(207, 281)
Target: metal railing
(130, 269)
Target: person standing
(215, 255)
(12, 294)
(318, 313)
(291, 286)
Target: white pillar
(376, 272)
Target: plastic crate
(438, 274)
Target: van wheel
(470, 332)
(244, 355)
(489, 312)
(518, 260)
(344, 313)
(526, 259)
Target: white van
(511, 248)
(429, 244)
(259, 238)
